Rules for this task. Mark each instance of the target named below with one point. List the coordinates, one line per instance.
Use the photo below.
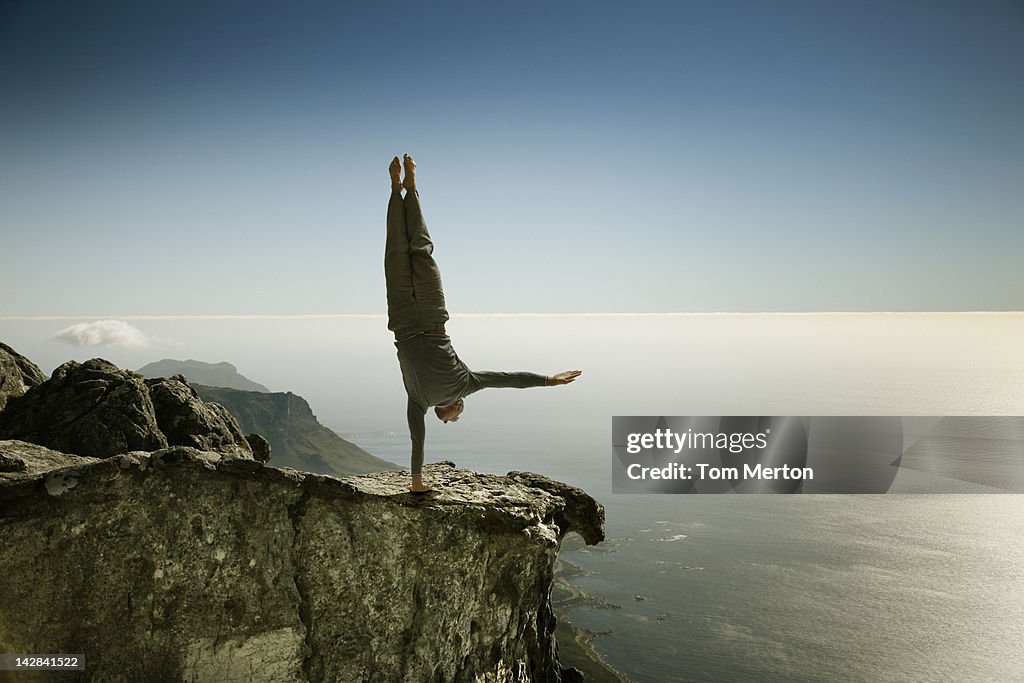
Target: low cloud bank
(104, 333)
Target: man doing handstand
(432, 372)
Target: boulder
(187, 420)
(17, 374)
(95, 409)
(90, 408)
(260, 447)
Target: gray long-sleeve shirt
(435, 376)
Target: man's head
(450, 412)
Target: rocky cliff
(296, 437)
(183, 565)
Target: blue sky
(230, 157)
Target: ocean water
(814, 588)
(709, 587)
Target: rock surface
(96, 409)
(261, 448)
(183, 565)
(17, 374)
(23, 460)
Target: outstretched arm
(564, 377)
(521, 380)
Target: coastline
(575, 647)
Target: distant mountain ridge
(221, 374)
(297, 439)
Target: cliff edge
(187, 565)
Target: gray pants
(415, 294)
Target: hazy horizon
(664, 364)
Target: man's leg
(426, 276)
(403, 318)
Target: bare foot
(410, 173)
(395, 169)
